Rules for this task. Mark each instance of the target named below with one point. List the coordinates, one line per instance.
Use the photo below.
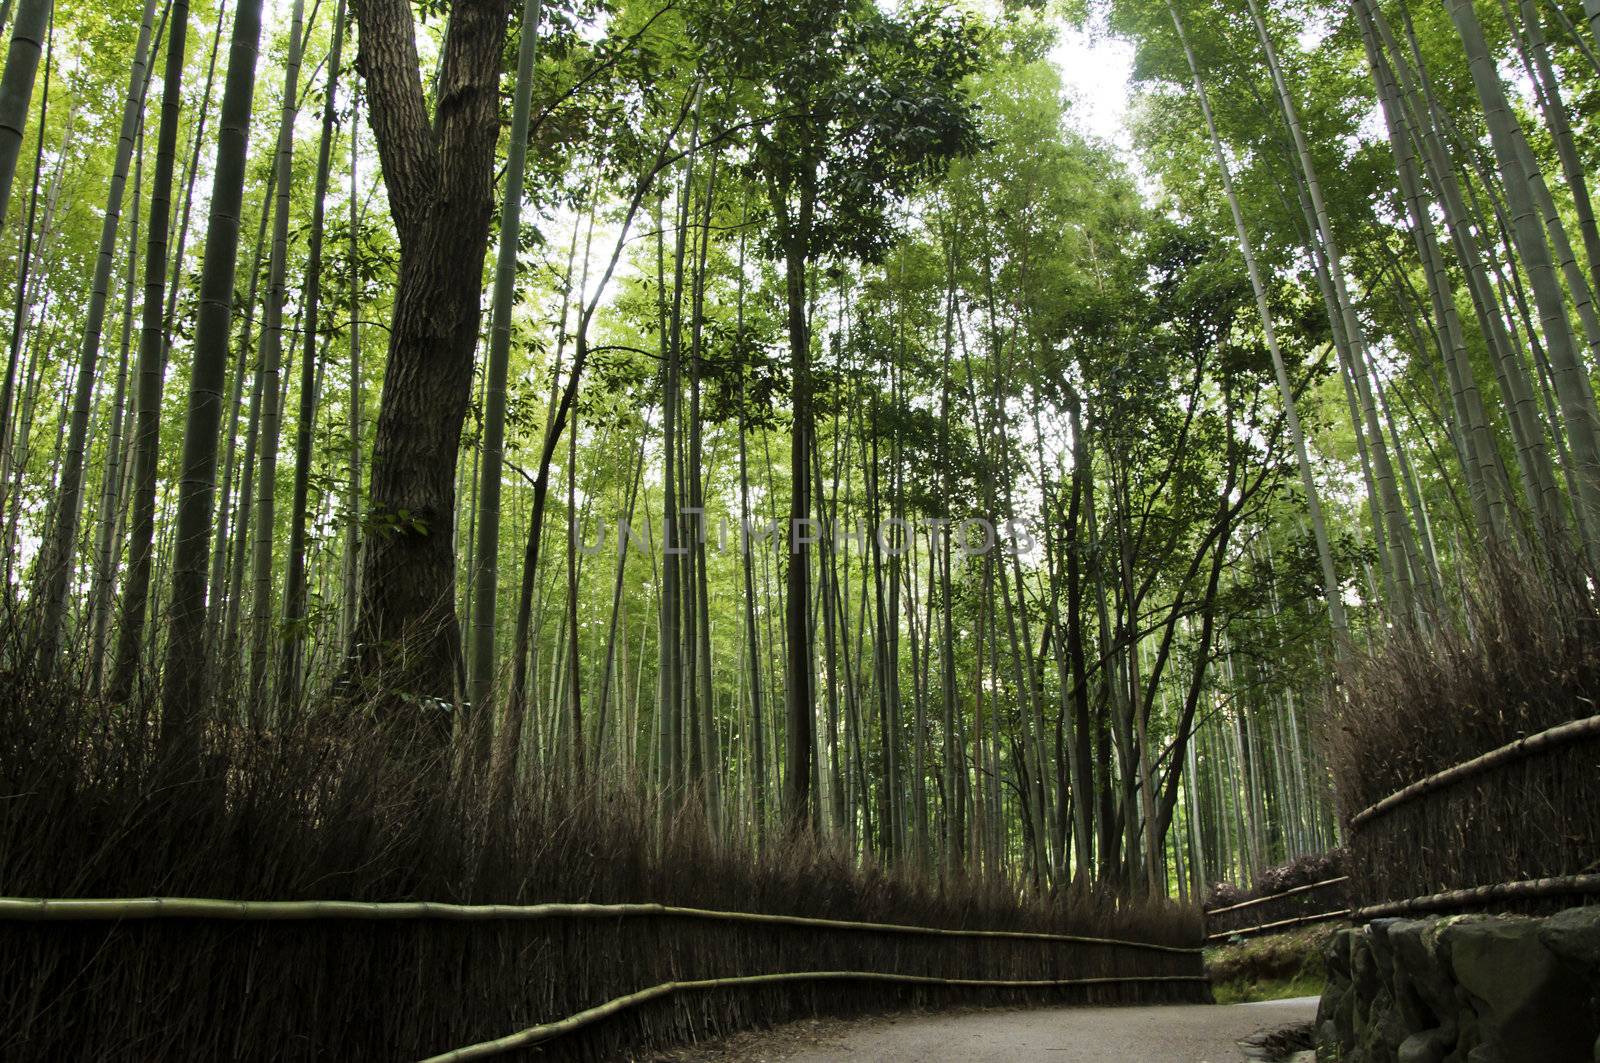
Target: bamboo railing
(113, 909)
(1281, 924)
(1278, 896)
(40, 909)
(1560, 735)
(1564, 885)
(1277, 924)
(545, 1031)
(1449, 900)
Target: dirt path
(1170, 1034)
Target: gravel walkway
(1186, 1033)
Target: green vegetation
(1244, 406)
(1269, 967)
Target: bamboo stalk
(545, 1031)
(1532, 887)
(40, 909)
(1554, 737)
(1298, 920)
(1278, 896)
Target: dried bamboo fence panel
(68, 909)
(1301, 904)
(197, 978)
(1526, 810)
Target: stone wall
(1465, 989)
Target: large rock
(1527, 1003)
(1336, 1010)
(1465, 989)
(1424, 992)
(1574, 935)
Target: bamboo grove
(786, 409)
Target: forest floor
(1183, 1033)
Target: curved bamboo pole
(1278, 896)
(1564, 885)
(545, 1031)
(40, 909)
(1553, 737)
(1281, 924)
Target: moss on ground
(1271, 967)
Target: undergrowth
(340, 806)
(1522, 655)
(1271, 967)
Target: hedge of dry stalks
(329, 812)
(1523, 657)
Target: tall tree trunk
(710, 752)
(152, 344)
(239, 546)
(671, 708)
(758, 760)
(350, 571)
(439, 176)
(56, 560)
(1536, 57)
(16, 87)
(262, 613)
(1480, 463)
(486, 575)
(795, 237)
(294, 579)
(1401, 545)
(1332, 593)
(111, 474)
(184, 682)
(226, 507)
(1572, 386)
(22, 308)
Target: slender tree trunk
(241, 539)
(1536, 58)
(184, 687)
(350, 573)
(758, 760)
(710, 752)
(111, 480)
(1331, 587)
(1572, 387)
(16, 87)
(1481, 460)
(56, 558)
(486, 575)
(294, 579)
(151, 366)
(671, 706)
(22, 308)
(795, 235)
(1401, 544)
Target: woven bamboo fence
(1301, 905)
(347, 980)
(1526, 811)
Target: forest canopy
(344, 342)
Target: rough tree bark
(439, 173)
